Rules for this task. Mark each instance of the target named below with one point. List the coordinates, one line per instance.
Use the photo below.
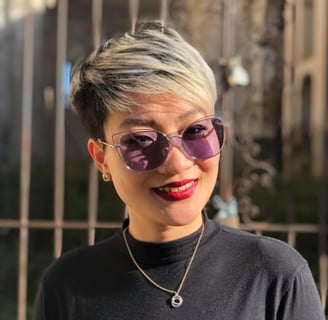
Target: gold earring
(106, 177)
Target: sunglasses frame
(121, 134)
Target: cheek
(210, 170)
(128, 184)
(210, 166)
(113, 161)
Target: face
(167, 202)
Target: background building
(305, 98)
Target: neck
(150, 232)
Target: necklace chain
(176, 300)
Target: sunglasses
(145, 150)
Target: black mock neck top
(235, 276)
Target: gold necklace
(176, 300)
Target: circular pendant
(176, 301)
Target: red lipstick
(179, 190)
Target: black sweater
(235, 275)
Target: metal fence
(24, 225)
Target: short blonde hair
(153, 60)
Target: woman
(147, 102)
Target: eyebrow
(150, 122)
(137, 122)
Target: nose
(177, 159)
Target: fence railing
(24, 227)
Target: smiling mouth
(177, 191)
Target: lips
(176, 191)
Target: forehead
(165, 113)
(155, 118)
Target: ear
(97, 153)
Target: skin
(153, 218)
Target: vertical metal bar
(25, 169)
(292, 238)
(163, 11)
(228, 43)
(323, 213)
(6, 8)
(60, 126)
(133, 11)
(227, 106)
(97, 6)
(97, 13)
(323, 265)
(93, 203)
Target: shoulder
(264, 252)
(77, 263)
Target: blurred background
(270, 58)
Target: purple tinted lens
(203, 139)
(147, 150)
(144, 150)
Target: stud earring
(106, 177)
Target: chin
(181, 217)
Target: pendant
(176, 301)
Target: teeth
(177, 189)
